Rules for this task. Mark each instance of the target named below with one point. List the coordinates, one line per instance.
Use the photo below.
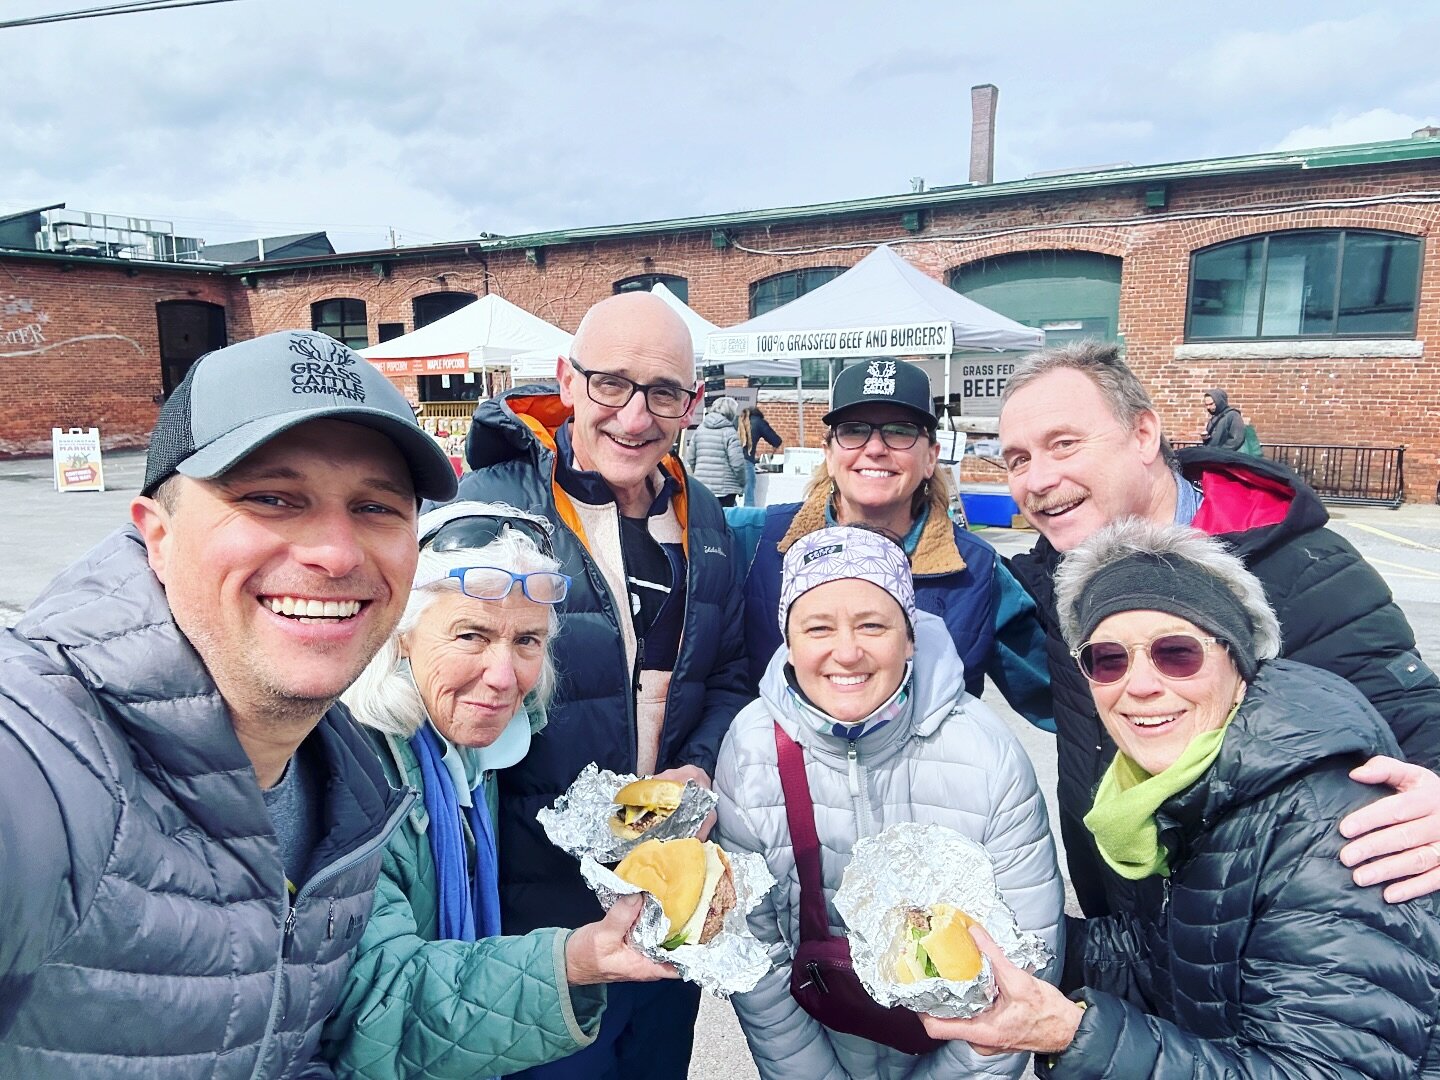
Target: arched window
(1312, 283)
(1068, 294)
(344, 320)
(645, 282)
(188, 330)
(437, 305)
(769, 293)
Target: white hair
(385, 697)
(1136, 536)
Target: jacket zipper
(343, 863)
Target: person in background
(870, 692)
(713, 453)
(1225, 430)
(652, 658)
(755, 429)
(1083, 447)
(1251, 952)
(190, 826)
(453, 696)
(880, 471)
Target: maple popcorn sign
(76, 453)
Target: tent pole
(800, 409)
(948, 357)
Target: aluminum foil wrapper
(909, 866)
(579, 820)
(731, 962)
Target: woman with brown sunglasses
(1251, 951)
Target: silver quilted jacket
(949, 761)
(145, 925)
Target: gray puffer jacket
(948, 760)
(147, 928)
(714, 456)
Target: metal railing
(1355, 475)
(450, 410)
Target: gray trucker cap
(234, 400)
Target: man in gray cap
(190, 829)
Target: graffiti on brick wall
(25, 330)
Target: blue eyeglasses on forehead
(494, 583)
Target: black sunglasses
(476, 531)
(897, 435)
(665, 400)
(1175, 656)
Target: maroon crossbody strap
(800, 813)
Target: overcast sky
(447, 118)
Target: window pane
(1225, 291)
(1378, 285)
(343, 320)
(646, 282)
(1300, 285)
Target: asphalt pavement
(43, 531)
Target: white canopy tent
(491, 332)
(881, 306)
(700, 330)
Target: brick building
(1302, 283)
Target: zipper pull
(639, 662)
(852, 755)
(289, 934)
(330, 923)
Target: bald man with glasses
(650, 657)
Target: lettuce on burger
(935, 943)
(692, 881)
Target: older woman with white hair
(1251, 952)
(454, 695)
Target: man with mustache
(1083, 447)
(190, 827)
(651, 657)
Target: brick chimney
(983, 99)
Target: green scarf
(1123, 817)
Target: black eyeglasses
(1176, 656)
(476, 531)
(493, 583)
(615, 391)
(897, 435)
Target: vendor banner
(525, 369)
(424, 365)
(76, 454)
(910, 339)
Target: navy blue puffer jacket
(592, 717)
(1258, 956)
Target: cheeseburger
(643, 804)
(692, 881)
(935, 943)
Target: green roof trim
(1378, 153)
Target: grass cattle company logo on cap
(328, 368)
(880, 378)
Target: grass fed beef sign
(913, 339)
(982, 381)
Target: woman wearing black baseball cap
(880, 470)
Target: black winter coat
(1258, 956)
(1335, 613)
(592, 716)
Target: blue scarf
(469, 903)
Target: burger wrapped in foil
(579, 820)
(911, 867)
(732, 961)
